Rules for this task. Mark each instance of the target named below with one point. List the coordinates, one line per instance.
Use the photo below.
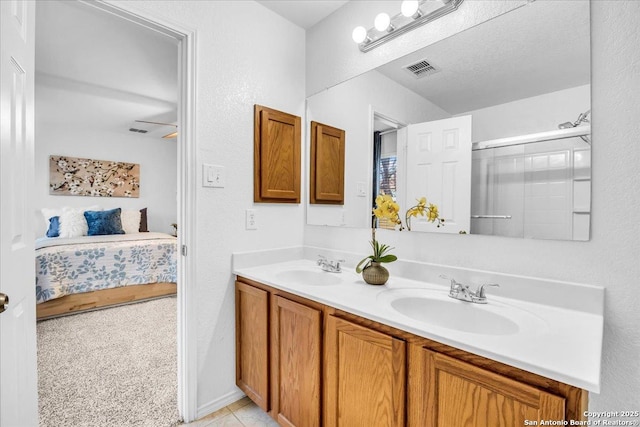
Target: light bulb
(359, 34)
(382, 21)
(409, 7)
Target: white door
(18, 381)
(439, 168)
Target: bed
(88, 272)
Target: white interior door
(439, 168)
(18, 381)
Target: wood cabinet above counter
(326, 177)
(276, 156)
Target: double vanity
(315, 347)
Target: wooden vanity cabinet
(252, 343)
(449, 387)
(296, 363)
(446, 392)
(307, 364)
(279, 353)
(365, 376)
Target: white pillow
(47, 213)
(130, 221)
(73, 223)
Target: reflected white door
(439, 168)
(18, 382)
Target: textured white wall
(62, 130)
(610, 258)
(246, 55)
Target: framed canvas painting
(73, 176)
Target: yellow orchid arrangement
(387, 208)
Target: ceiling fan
(170, 135)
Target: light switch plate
(213, 176)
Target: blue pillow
(104, 222)
(54, 227)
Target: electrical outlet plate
(251, 222)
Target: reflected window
(387, 176)
(385, 161)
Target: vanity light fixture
(409, 8)
(359, 34)
(413, 13)
(382, 22)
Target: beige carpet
(113, 367)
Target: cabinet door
(326, 179)
(276, 156)
(296, 359)
(252, 343)
(364, 377)
(446, 392)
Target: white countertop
(561, 344)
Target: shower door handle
(4, 301)
(492, 216)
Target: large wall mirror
(492, 125)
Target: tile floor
(243, 413)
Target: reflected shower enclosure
(537, 189)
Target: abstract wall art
(73, 176)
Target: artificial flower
(387, 208)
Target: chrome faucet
(462, 292)
(331, 266)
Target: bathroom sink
(436, 308)
(309, 277)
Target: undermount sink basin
(437, 308)
(309, 277)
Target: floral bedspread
(101, 262)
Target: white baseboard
(219, 403)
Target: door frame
(378, 113)
(186, 198)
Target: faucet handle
(453, 281)
(455, 285)
(480, 292)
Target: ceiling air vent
(422, 69)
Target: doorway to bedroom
(107, 100)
